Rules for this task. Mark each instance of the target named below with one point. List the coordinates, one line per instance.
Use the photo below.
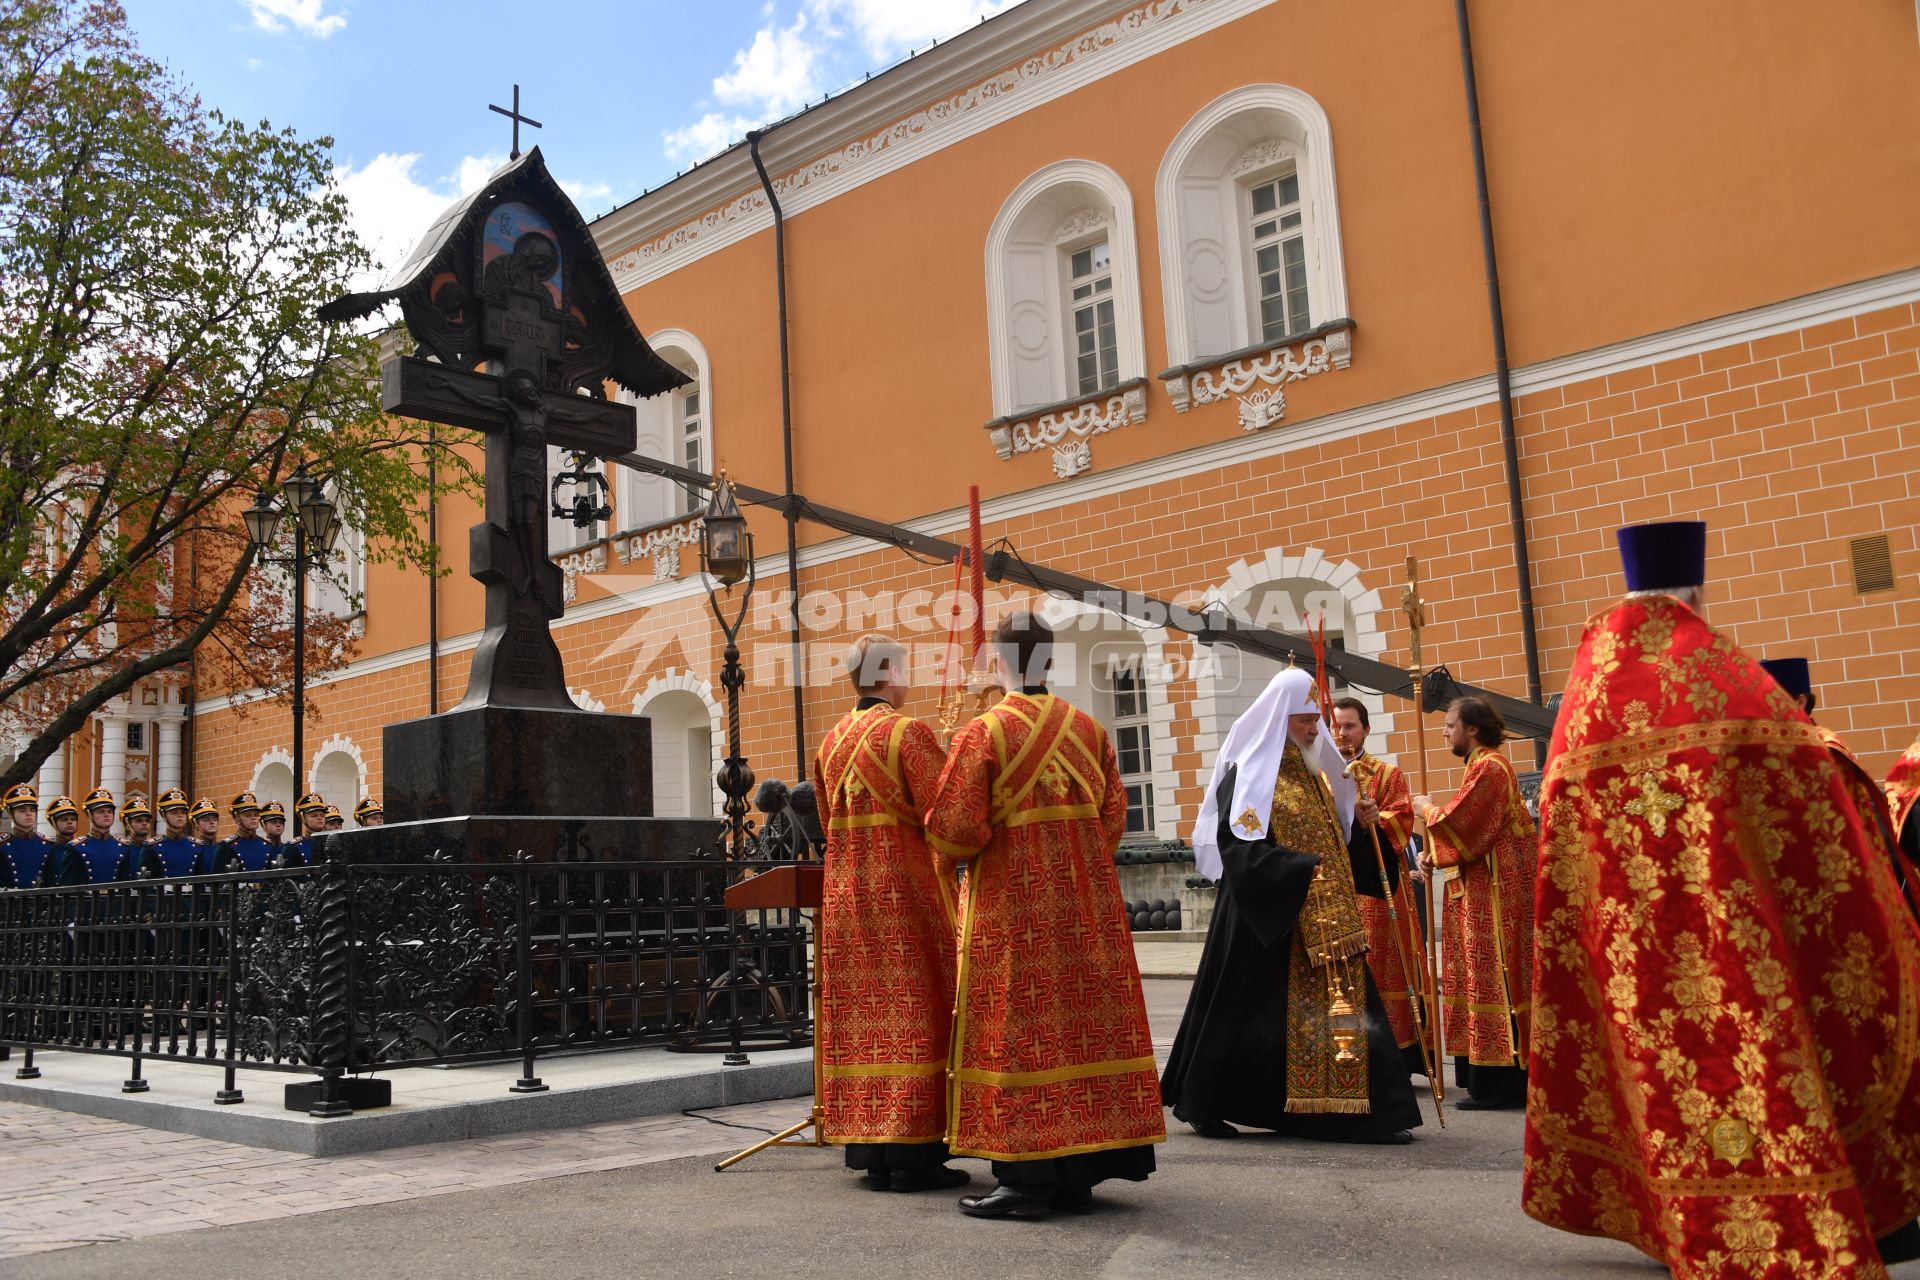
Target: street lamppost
(726, 556)
(316, 524)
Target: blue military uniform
(170, 857)
(22, 853)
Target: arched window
(683, 757)
(675, 427)
(1063, 289)
(1249, 225)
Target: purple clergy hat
(1658, 556)
(1791, 674)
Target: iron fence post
(230, 1093)
(523, 978)
(333, 988)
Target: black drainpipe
(433, 580)
(801, 772)
(1503, 376)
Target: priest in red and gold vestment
(1386, 800)
(1903, 790)
(886, 936)
(1795, 677)
(1726, 1039)
(1053, 1069)
(1486, 840)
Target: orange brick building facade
(1710, 299)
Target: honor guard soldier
(176, 851)
(25, 850)
(95, 858)
(311, 809)
(63, 815)
(138, 856)
(369, 814)
(273, 824)
(205, 816)
(335, 820)
(245, 850)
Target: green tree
(161, 360)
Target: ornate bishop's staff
(1416, 611)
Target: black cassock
(1229, 1059)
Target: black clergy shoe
(1485, 1104)
(1213, 1128)
(938, 1178)
(1080, 1201)
(1006, 1202)
(877, 1179)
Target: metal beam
(1209, 626)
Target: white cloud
(308, 17)
(886, 29)
(710, 133)
(390, 208)
(778, 72)
(579, 191)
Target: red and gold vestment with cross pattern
(1386, 786)
(1052, 1055)
(1725, 1065)
(886, 934)
(1487, 837)
(1903, 788)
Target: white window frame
(1098, 283)
(1140, 802)
(634, 506)
(1279, 238)
(1071, 202)
(1210, 292)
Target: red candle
(979, 576)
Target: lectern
(796, 886)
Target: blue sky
(629, 92)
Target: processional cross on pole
(520, 328)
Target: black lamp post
(316, 522)
(726, 554)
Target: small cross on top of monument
(520, 330)
(518, 120)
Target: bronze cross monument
(520, 328)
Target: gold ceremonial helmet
(18, 794)
(312, 802)
(171, 798)
(63, 807)
(98, 798)
(202, 808)
(244, 803)
(135, 807)
(367, 808)
(273, 810)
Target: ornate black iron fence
(339, 969)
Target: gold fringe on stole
(1340, 949)
(1329, 1107)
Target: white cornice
(1673, 344)
(1020, 60)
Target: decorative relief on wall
(1257, 380)
(1075, 426)
(586, 560)
(950, 113)
(1079, 223)
(1262, 154)
(663, 545)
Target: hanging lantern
(726, 548)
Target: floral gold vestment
(1328, 943)
(886, 935)
(1486, 934)
(1386, 786)
(1051, 1051)
(1727, 1005)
